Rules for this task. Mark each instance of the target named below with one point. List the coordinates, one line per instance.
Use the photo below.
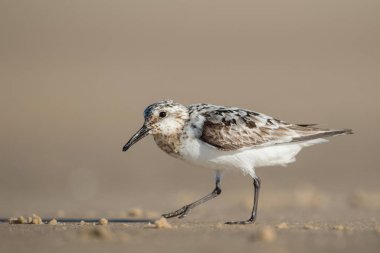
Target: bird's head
(161, 118)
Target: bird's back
(230, 128)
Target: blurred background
(76, 76)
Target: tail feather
(307, 125)
(324, 134)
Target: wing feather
(233, 128)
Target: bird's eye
(162, 114)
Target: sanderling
(223, 138)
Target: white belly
(197, 152)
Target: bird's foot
(181, 213)
(250, 221)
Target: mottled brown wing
(235, 129)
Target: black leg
(182, 212)
(256, 185)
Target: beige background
(75, 77)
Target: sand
(77, 75)
(290, 224)
(190, 237)
(286, 229)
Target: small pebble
(21, 220)
(161, 223)
(53, 222)
(103, 221)
(36, 219)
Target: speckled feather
(229, 128)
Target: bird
(225, 138)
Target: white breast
(200, 153)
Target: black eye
(162, 114)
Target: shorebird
(224, 138)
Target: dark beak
(144, 131)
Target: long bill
(144, 131)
